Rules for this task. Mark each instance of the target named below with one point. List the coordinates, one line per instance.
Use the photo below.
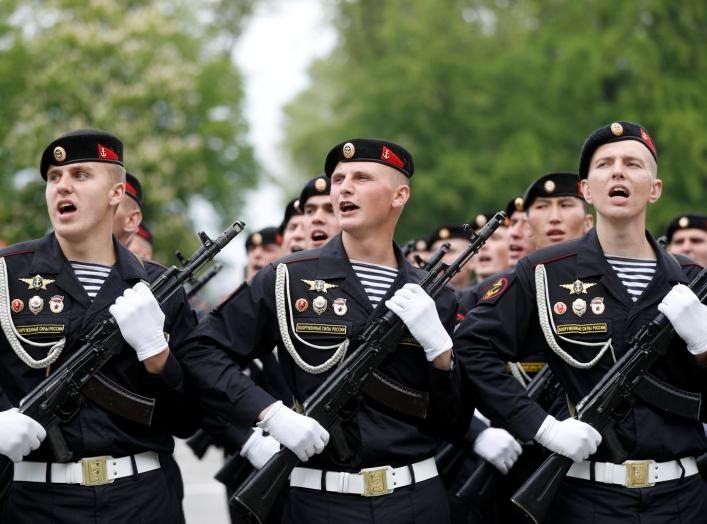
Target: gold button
(348, 150)
(480, 220)
(549, 186)
(683, 222)
(59, 154)
(320, 184)
(518, 203)
(617, 129)
(256, 239)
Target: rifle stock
(342, 386)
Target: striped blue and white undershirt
(91, 276)
(635, 273)
(375, 279)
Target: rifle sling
(115, 398)
(396, 396)
(667, 397)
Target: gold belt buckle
(95, 471)
(637, 474)
(375, 481)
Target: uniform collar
(334, 264)
(591, 260)
(49, 259)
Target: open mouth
(619, 193)
(319, 236)
(516, 251)
(483, 259)
(66, 208)
(347, 207)
(556, 234)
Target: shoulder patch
(496, 289)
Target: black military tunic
(588, 303)
(245, 325)
(67, 311)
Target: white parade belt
(369, 482)
(634, 473)
(90, 471)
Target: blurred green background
(487, 95)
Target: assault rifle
(338, 397)
(59, 397)
(204, 279)
(434, 259)
(482, 485)
(610, 402)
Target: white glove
(571, 438)
(417, 310)
(258, 448)
(141, 321)
(303, 435)
(498, 447)
(19, 434)
(688, 316)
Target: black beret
(143, 232)
(445, 233)
(553, 185)
(691, 221)
(133, 188)
(514, 204)
(482, 219)
(263, 237)
(291, 210)
(370, 150)
(614, 132)
(317, 186)
(82, 145)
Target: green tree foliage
(159, 74)
(489, 95)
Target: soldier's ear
(656, 191)
(117, 193)
(585, 191)
(401, 196)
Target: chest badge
(17, 305)
(579, 307)
(56, 303)
(37, 282)
(597, 305)
(578, 287)
(36, 304)
(301, 305)
(339, 306)
(318, 285)
(559, 308)
(319, 305)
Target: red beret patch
(647, 139)
(106, 153)
(390, 157)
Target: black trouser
(423, 503)
(682, 501)
(154, 497)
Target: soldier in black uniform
(577, 303)
(54, 290)
(458, 239)
(141, 243)
(320, 223)
(261, 247)
(128, 216)
(687, 235)
(520, 241)
(313, 305)
(292, 228)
